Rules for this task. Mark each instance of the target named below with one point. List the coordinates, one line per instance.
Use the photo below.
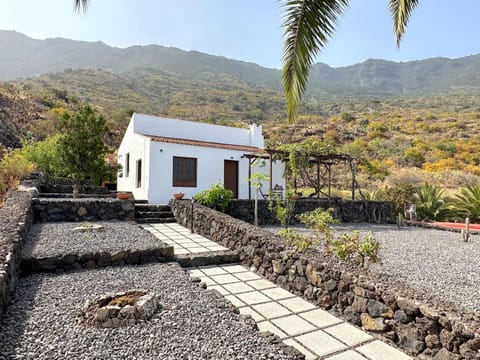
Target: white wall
(210, 170)
(138, 148)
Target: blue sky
(250, 30)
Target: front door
(230, 176)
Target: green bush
(354, 248)
(215, 197)
(320, 220)
(13, 167)
(467, 203)
(430, 203)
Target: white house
(162, 156)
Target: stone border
(400, 315)
(15, 221)
(69, 262)
(82, 209)
(207, 258)
(344, 210)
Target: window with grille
(184, 172)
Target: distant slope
(23, 57)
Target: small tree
(82, 148)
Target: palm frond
(401, 11)
(308, 25)
(80, 5)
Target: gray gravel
(435, 262)
(51, 239)
(195, 324)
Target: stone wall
(15, 221)
(344, 210)
(420, 327)
(74, 261)
(82, 209)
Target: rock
(444, 354)
(278, 266)
(300, 283)
(313, 276)
(409, 307)
(344, 284)
(352, 316)
(474, 344)
(466, 352)
(447, 339)
(118, 255)
(90, 264)
(82, 211)
(359, 291)
(103, 259)
(359, 304)
(372, 324)
(101, 314)
(376, 309)
(331, 285)
(433, 341)
(410, 338)
(401, 317)
(429, 312)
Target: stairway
(152, 213)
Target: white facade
(150, 144)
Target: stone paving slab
(298, 323)
(183, 241)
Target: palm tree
(308, 25)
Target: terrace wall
(82, 209)
(344, 210)
(377, 304)
(15, 220)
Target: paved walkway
(313, 331)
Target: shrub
(430, 203)
(320, 220)
(354, 248)
(467, 203)
(13, 167)
(215, 197)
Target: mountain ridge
(25, 57)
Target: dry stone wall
(15, 220)
(344, 210)
(420, 327)
(82, 209)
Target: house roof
(205, 144)
(153, 126)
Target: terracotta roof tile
(205, 144)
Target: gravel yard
(50, 239)
(194, 324)
(436, 262)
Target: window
(120, 167)
(127, 165)
(139, 173)
(184, 172)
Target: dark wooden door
(230, 176)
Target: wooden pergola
(319, 159)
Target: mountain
(24, 57)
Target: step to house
(153, 214)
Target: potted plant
(124, 195)
(178, 196)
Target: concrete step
(152, 207)
(155, 220)
(152, 214)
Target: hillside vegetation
(415, 121)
